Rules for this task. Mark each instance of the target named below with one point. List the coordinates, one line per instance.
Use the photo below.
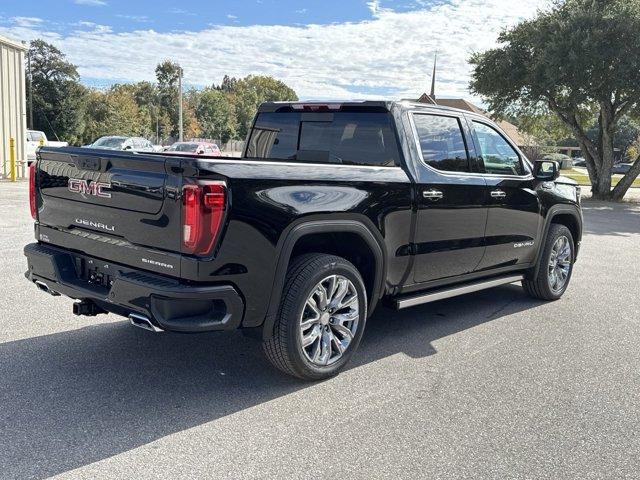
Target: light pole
(180, 136)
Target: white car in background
(137, 144)
(35, 139)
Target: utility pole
(30, 89)
(180, 137)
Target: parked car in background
(621, 168)
(579, 162)
(137, 144)
(565, 161)
(191, 148)
(35, 139)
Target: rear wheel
(555, 265)
(321, 317)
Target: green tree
(249, 92)
(216, 114)
(627, 132)
(578, 58)
(167, 74)
(115, 112)
(59, 100)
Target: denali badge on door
(84, 188)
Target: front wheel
(321, 317)
(555, 265)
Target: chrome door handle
(498, 194)
(432, 194)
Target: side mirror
(200, 152)
(128, 147)
(546, 170)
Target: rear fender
(368, 235)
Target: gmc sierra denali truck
(331, 209)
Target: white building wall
(13, 116)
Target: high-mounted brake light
(316, 107)
(32, 189)
(203, 206)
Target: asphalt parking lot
(491, 385)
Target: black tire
(540, 287)
(284, 349)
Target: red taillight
(32, 189)
(203, 206)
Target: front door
(514, 216)
(451, 218)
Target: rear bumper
(168, 304)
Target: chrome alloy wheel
(329, 320)
(559, 263)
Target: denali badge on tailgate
(90, 223)
(84, 188)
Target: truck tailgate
(120, 199)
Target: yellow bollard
(12, 159)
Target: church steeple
(433, 77)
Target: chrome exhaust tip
(143, 322)
(45, 288)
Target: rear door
(450, 199)
(514, 214)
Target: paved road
(492, 385)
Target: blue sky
(322, 48)
(169, 15)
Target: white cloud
(135, 18)
(91, 3)
(389, 56)
(26, 22)
(232, 17)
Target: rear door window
(347, 138)
(441, 142)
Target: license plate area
(97, 273)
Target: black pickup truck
(332, 208)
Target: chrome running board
(443, 293)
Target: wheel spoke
(321, 292)
(325, 346)
(342, 288)
(342, 318)
(343, 331)
(353, 299)
(339, 347)
(311, 336)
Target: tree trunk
(623, 185)
(606, 131)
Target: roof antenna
(433, 77)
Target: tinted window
(35, 136)
(497, 155)
(442, 143)
(349, 138)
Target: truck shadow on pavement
(77, 397)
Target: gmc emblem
(84, 188)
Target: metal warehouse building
(13, 117)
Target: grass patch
(583, 178)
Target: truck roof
(336, 104)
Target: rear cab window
(341, 137)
